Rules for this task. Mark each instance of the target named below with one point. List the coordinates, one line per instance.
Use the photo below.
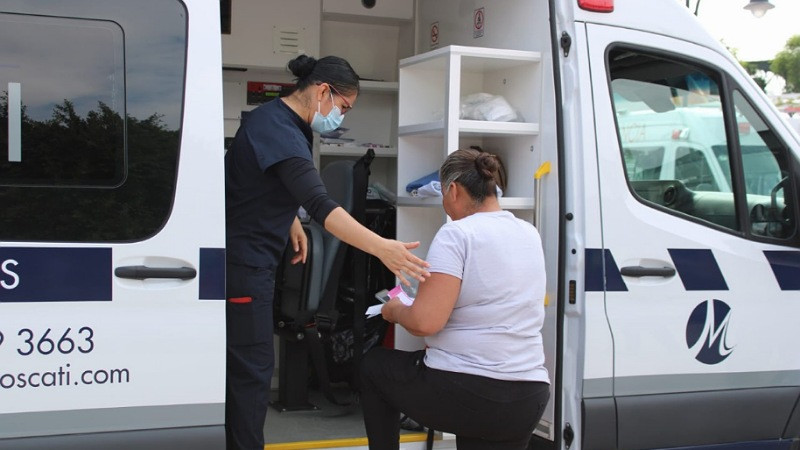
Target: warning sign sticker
(478, 23)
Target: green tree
(753, 69)
(115, 176)
(755, 73)
(787, 64)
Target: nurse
(269, 174)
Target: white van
(671, 240)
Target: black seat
(305, 284)
(305, 293)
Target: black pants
(250, 359)
(483, 413)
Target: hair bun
(302, 66)
(487, 165)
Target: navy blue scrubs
(269, 174)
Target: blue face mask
(325, 124)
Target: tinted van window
(678, 157)
(767, 175)
(91, 96)
(676, 108)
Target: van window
(693, 169)
(766, 168)
(69, 117)
(643, 163)
(89, 119)
(672, 134)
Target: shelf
(508, 203)
(352, 150)
(436, 128)
(378, 86)
(508, 128)
(478, 58)
(516, 202)
(427, 202)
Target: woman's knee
(370, 365)
(383, 365)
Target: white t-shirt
(495, 327)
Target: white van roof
(668, 17)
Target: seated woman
(482, 376)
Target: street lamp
(759, 7)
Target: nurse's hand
(299, 240)
(396, 256)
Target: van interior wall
(373, 46)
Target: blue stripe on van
(38, 274)
(594, 280)
(212, 274)
(786, 267)
(781, 444)
(698, 269)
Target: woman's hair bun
(302, 66)
(487, 165)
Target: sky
(755, 39)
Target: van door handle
(640, 271)
(144, 272)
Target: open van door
(700, 279)
(112, 224)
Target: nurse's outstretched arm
(395, 255)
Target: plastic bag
(483, 106)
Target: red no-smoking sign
(478, 22)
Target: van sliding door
(111, 226)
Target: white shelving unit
(431, 88)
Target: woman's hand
(391, 310)
(395, 255)
(299, 240)
(431, 309)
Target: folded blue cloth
(416, 184)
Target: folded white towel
(432, 189)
